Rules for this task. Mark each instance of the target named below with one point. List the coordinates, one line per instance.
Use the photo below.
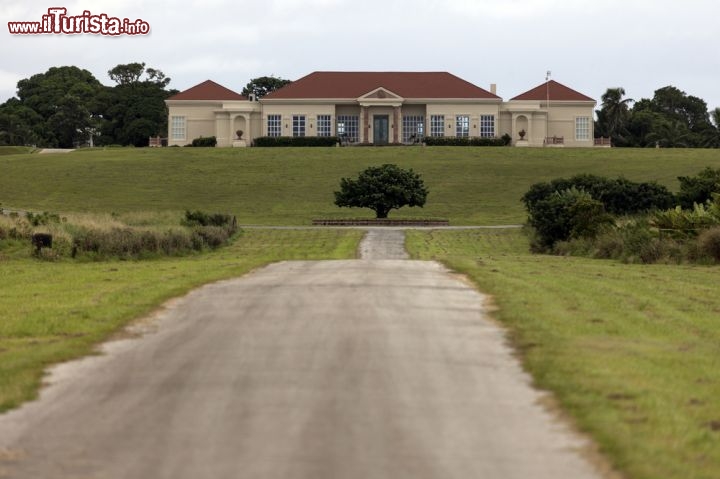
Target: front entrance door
(380, 129)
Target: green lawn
(294, 185)
(632, 352)
(55, 311)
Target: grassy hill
(292, 186)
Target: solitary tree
(382, 188)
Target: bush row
(199, 231)
(281, 141)
(454, 141)
(132, 243)
(636, 242)
(575, 221)
(203, 231)
(619, 196)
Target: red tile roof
(558, 92)
(208, 90)
(352, 85)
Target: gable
(556, 91)
(208, 90)
(380, 94)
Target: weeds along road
(374, 368)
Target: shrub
(633, 242)
(709, 243)
(609, 245)
(204, 141)
(565, 215)
(210, 230)
(698, 189)
(306, 141)
(210, 236)
(455, 141)
(44, 218)
(688, 222)
(197, 217)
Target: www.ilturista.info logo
(58, 22)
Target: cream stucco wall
(199, 120)
(474, 110)
(540, 122)
(214, 118)
(223, 119)
(287, 111)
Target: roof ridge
(407, 84)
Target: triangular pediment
(380, 93)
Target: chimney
(493, 88)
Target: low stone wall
(379, 222)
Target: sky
(640, 45)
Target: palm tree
(712, 136)
(670, 134)
(715, 117)
(614, 114)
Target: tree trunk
(381, 213)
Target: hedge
(620, 196)
(210, 141)
(282, 141)
(454, 141)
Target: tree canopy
(65, 106)
(382, 189)
(261, 86)
(671, 119)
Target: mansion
(382, 108)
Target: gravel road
(355, 369)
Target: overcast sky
(641, 45)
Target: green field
(293, 185)
(632, 352)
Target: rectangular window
(462, 126)
(487, 126)
(298, 125)
(274, 125)
(348, 127)
(324, 125)
(437, 125)
(582, 128)
(413, 128)
(178, 127)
